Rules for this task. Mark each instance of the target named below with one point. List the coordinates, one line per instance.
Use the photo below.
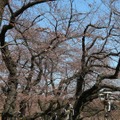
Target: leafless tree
(55, 57)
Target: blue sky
(96, 7)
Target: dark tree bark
(9, 107)
(92, 93)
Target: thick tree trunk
(86, 96)
(79, 87)
(9, 107)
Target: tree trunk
(79, 87)
(11, 93)
(86, 96)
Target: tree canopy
(56, 53)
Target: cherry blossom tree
(54, 56)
